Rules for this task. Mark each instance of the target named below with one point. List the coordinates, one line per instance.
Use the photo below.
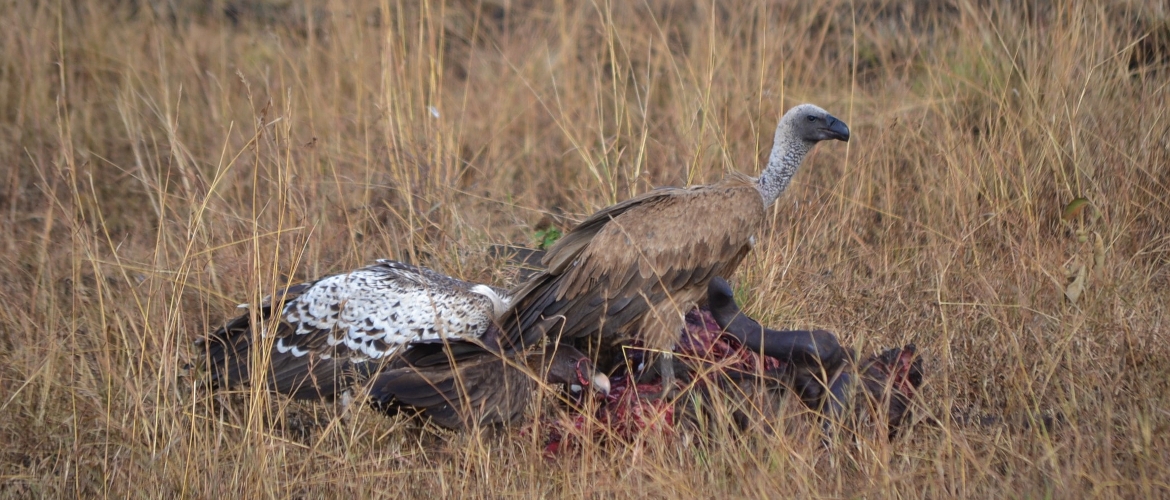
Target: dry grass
(164, 163)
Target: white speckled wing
(371, 312)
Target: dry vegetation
(165, 161)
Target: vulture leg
(664, 368)
(660, 333)
(658, 366)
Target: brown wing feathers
(483, 388)
(459, 384)
(643, 255)
(302, 377)
(568, 247)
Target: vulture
(631, 271)
(423, 340)
(348, 324)
(461, 384)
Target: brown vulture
(631, 271)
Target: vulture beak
(837, 129)
(601, 383)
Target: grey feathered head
(801, 128)
(812, 124)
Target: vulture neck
(788, 153)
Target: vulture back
(328, 332)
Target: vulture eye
(812, 118)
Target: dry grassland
(164, 161)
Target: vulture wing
(647, 258)
(570, 246)
(458, 387)
(228, 351)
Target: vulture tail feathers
(517, 255)
(517, 325)
(228, 352)
(525, 260)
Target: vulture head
(811, 124)
(801, 128)
(568, 366)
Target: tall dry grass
(165, 161)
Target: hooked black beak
(837, 129)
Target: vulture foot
(659, 372)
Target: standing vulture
(632, 270)
(330, 328)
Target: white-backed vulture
(330, 328)
(632, 270)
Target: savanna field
(1004, 204)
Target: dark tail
(226, 352)
(521, 325)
